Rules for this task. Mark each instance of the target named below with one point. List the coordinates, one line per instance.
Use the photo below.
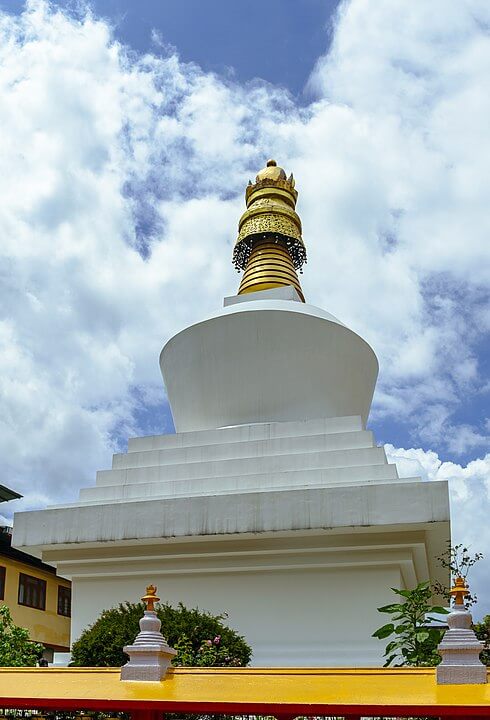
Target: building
(38, 600)
(271, 501)
(7, 494)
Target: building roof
(286, 692)
(6, 550)
(6, 494)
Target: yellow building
(38, 599)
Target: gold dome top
(271, 172)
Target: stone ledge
(241, 484)
(373, 505)
(247, 433)
(231, 467)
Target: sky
(128, 135)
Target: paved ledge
(268, 691)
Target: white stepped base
(241, 433)
(243, 459)
(299, 479)
(244, 466)
(244, 449)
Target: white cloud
(469, 488)
(122, 180)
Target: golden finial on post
(150, 598)
(459, 591)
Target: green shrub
(200, 638)
(415, 641)
(16, 648)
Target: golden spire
(269, 246)
(459, 591)
(151, 597)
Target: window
(32, 591)
(2, 582)
(64, 601)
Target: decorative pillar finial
(459, 591)
(460, 648)
(150, 598)
(150, 656)
(269, 247)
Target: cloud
(469, 488)
(410, 90)
(122, 181)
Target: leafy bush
(16, 648)
(482, 631)
(200, 638)
(414, 643)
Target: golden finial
(271, 172)
(269, 247)
(459, 591)
(150, 598)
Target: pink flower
(217, 640)
(209, 642)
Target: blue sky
(129, 133)
(278, 41)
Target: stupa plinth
(271, 501)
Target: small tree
(200, 638)
(16, 648)
(458, 560)
(414, 642)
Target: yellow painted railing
(281, 692)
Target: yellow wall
(44, 626)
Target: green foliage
(482, 631)
(210, 653)
(16, 649)
(414, 643)
(200, 638)
(458, 560)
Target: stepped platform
(270, 514)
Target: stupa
(271, 501)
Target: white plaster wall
(319, 617)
